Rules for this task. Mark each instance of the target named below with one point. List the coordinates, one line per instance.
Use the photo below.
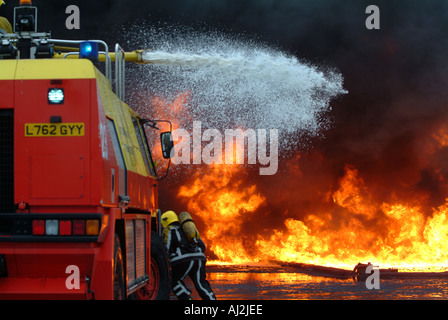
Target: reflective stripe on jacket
(179, 249)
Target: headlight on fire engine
(55, 96)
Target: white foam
(232, 83)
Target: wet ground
(285, 283)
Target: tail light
(38, 227)
(51, 227)
(92, 227)
(65, 227)
(79, 227)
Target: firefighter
(186, 259)
(5, 26)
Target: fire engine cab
(79, 215)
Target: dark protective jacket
(179, 249)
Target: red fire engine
(79, 214)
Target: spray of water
(237, 83)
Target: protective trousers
(195, 269)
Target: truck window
(143, 143)
(120, 159)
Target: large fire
(351, 223)
(389, 234)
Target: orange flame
(356, 228)
(218, 201)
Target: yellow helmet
(168, 218)
(2, 2)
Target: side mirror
(166, 140)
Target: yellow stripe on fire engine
(7, 69)
(35, 69)
(74, 129)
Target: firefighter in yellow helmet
(186, 259)
(5, 26)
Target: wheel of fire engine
(158, 287)
(119, 287)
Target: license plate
(75, 129)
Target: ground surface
(273, 282)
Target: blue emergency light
(88, 50)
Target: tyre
(159, 285)
(119, 285)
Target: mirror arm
(166, 173)
(150, 123)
